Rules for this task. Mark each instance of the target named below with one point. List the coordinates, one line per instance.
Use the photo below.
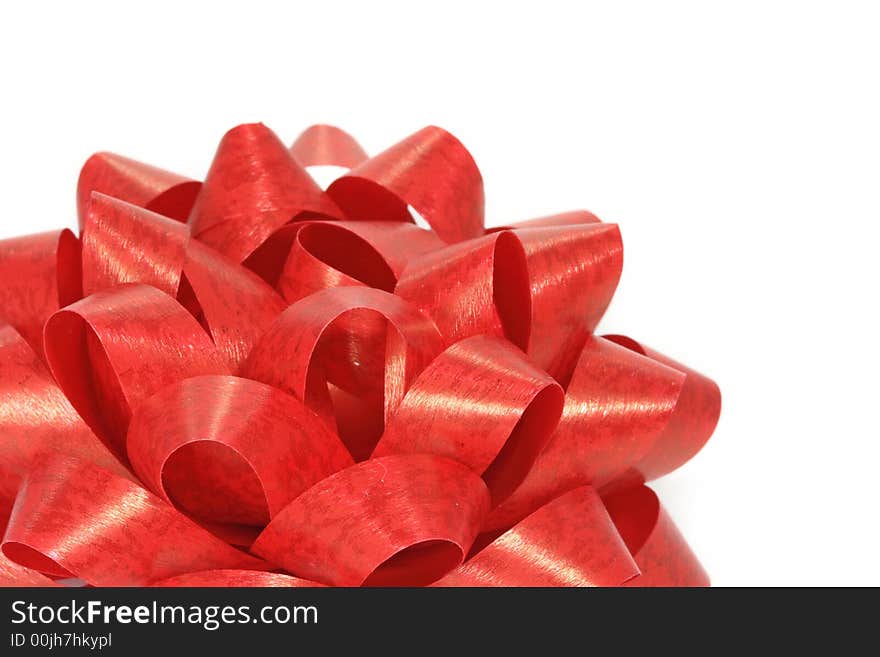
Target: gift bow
(253, 381)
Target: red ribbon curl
(255, 382)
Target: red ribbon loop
(321, 145)
(478, 287)
(429, 170)
(123, 243)
(498, 437)
(692, 423)
(137, 183)
(253, 187)
(230, 450)
(587, 258)
(74, 519)
(332, 254)
(316, 379)
(114, 349)
(569, 542)
(40, 273)
(338, 337)
(614, 392)
(663, 556)
(397, 520)
(37, 420)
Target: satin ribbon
(251, 381)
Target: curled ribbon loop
(692, 423)
(614, 392)
(253, 382)
(40, 273)
(331, 254)
(397, 520)
(123, 243)
(432, 172)
(132, 537)
(661, 553)
(478, 287)
(234, 305)
(253, 187)
(560, 258)
(104, 371)
(37, 420)
(322, 145)
(141, 184)
(13, 574)
(308, 256)
(569, 542)
(337, 338)
(230, 450)
(518, 408)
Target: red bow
(253, 381)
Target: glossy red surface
(330, 254)
(432, 172)
(230, 450)
(327, 145)
(230, 577)
(660, 551)
(40, 274)
(616, 407)
(477, 287)
(364, 342)
(300, 388)
(484, 387)
(254, 186)
(37, 420)
(570, 541)
(141, 184)
(692, 423)
(112, 350)
(583, 257)
(397, 520)
(123, 243)
(76, 519)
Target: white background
(738, 148)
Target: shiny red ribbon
(253, 381)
